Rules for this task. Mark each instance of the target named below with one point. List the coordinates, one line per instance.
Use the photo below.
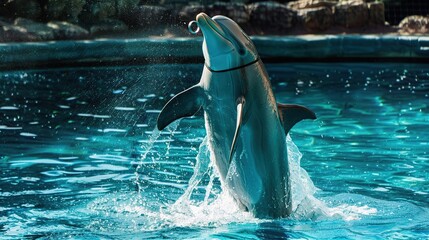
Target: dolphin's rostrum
(245, 126)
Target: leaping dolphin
(244, 124)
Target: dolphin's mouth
(206, 23)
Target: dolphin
(246, 127)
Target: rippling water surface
(80, 156)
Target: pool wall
(172, 50)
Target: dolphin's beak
(215, 37)
(209, 26)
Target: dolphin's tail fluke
(291, 114)
(184, 104)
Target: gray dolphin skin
(245, 126)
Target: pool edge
(337, 48)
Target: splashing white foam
(222, 210)
(219, 208)
(304, 204)
(350, 212)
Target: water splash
(132, 211)
(305, 205)
(147, 147)
(202, 167)
(218, 211)
(218, 207)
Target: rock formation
(39, 20)
(415, 25)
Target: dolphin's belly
(258, 176)
(259, 170)
(243, 180)
(262, 165)
(220, 127)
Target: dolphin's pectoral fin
(240, 106)
(184, 104)
(291, 114)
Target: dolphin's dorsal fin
(240, 106)
(291, 114)
(184, 104)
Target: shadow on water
(271, 230)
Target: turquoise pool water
(80, 158)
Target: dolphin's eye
(241, 51)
